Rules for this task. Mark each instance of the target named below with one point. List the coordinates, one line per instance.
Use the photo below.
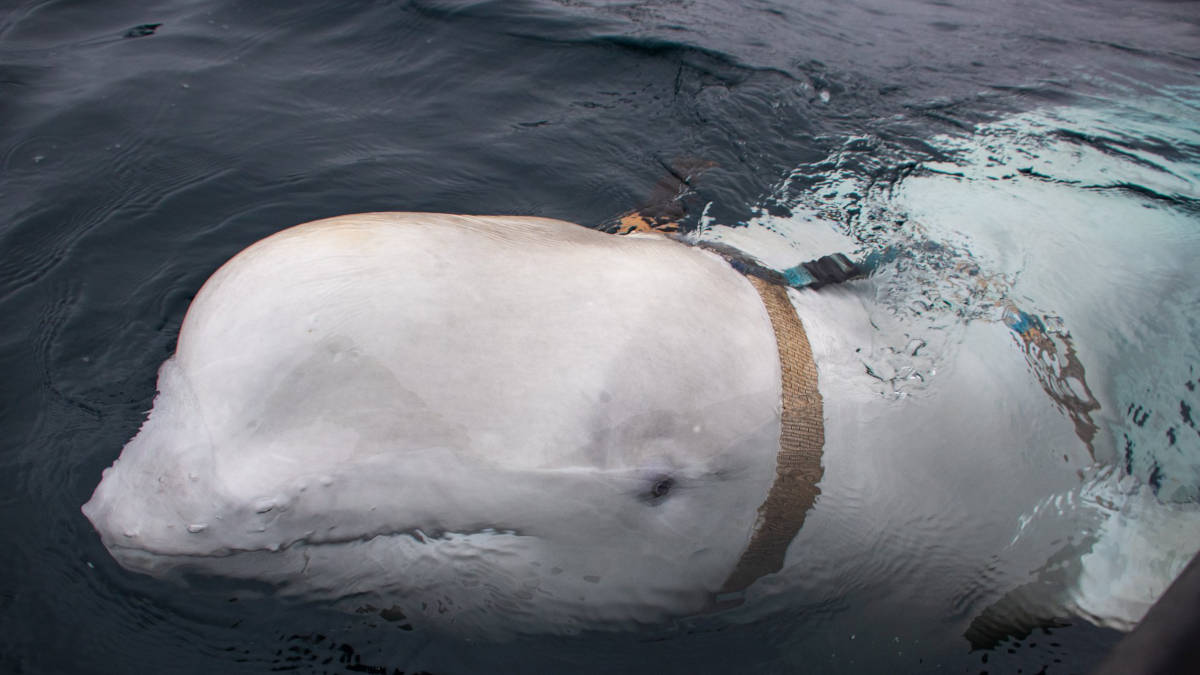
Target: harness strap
(798, 468)
(801, 441)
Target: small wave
(1081, 216)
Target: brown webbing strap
(802, 438)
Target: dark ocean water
(143, 144)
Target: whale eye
(660, 487)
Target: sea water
(1050, 147)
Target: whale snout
(156, 500)
(140, 516)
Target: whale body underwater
(515, 424)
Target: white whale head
(486, 423)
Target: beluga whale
(496, 425)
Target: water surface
(144, 144)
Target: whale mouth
(389, 563)
(416, 534)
